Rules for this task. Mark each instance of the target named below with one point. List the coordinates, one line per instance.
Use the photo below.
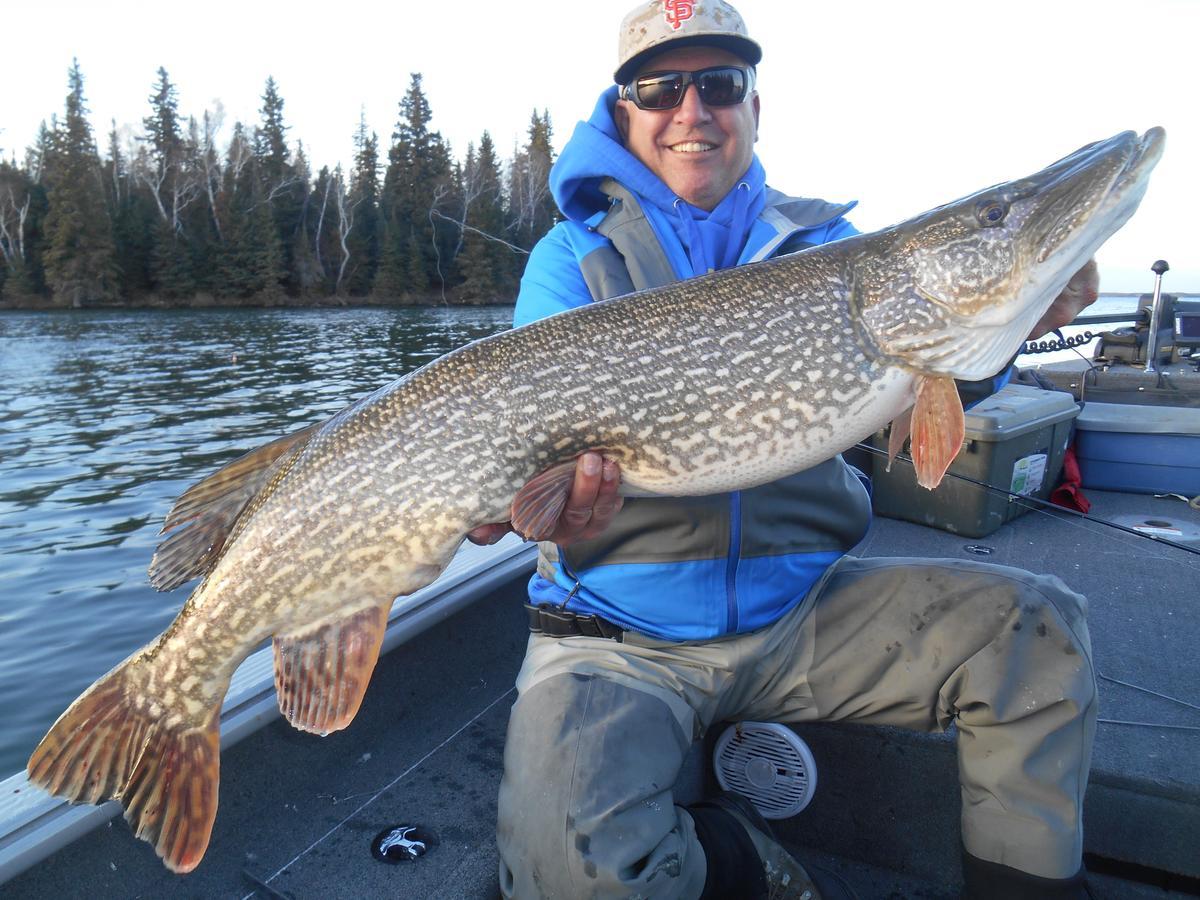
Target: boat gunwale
(34, 824)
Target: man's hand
(590, 508)
(1081, 292)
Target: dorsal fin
(203, 516)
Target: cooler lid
(1128, 417)
(1017, 409)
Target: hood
(595, 152)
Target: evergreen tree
(168, 176)
(363, 241)
(163, 132)
(42, 157)
(318, 224)
(233, 218)
(330, 222)
(80, 256)
(268, 270)
(306, 271)
(390, 281)
(270, 138)
(417, 181)
(283, 186)
(485, 263)
(416, 266)
(200, 237)
(32, 281)
(170, 262)
(176, 215)
(466, 181)
(531, 207)
(133, 221)
(205, 222)
(251, 259)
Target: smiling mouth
(693, 147)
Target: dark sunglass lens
(721, 87)
(659, 91)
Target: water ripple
(105, 418)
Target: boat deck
(298, 812)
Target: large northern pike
(713, 384)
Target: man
(656, 618)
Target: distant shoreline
(1145, 293)
(207, 301)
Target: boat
(303, 817)
(1165, 330)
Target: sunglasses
(717, 86)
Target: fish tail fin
(110, 745)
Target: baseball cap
(652, 26)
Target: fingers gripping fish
(714, 384)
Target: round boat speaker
(767, 763)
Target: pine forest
(177, 216)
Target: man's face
(698, 151)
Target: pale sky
(900, 105)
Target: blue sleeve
(552, 281)
(972, 392)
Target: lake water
(106, 417)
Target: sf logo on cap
(676, 12)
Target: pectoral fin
(901, 428)
(537, 506)
(321, 672)
(938, 428)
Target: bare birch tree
(210, 162)
(14, 211)
(345, 224)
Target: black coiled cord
(1062, 343)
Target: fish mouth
(1076, 185)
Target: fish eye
(991, 213)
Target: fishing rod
(1037, 501)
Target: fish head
(956, 290)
